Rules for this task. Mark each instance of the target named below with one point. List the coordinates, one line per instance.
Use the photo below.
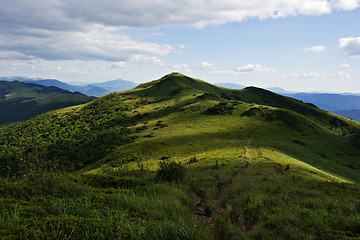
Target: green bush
(220, 109)
(170, 171)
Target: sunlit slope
(182, 118)
(177, 85)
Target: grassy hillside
(178, 158)
(19, 101)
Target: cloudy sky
(301, 45)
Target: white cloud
(212, 69)
(292, 75)
(141, 59)
(253, 68)
(350, 45)
(315, 49)
(120, 64)
(313, 75)
(343, 75)
(340, 75)
(246, 69)
(207, 65)
(14, 55)
(346, 4)
(181, 68)
(196, 12)
(69, 14)
(87, 30)
(305, 75)
(344, 65)
(98, 42)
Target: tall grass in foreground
(241, 200)
(116, 208)
(274, 205)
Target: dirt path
(199, 209)
(219, 209)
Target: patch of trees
(221, 108)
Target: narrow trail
(220, 210)
(208, 218)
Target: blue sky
(307, 45)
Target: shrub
(170, 171)
(220, 109)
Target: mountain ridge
(94, 89)
(344, 104)
(24, 100)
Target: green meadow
(178, 158)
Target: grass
(98, 212)
(248, 170)
(194, 133)
(239, 200)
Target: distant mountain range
(346, 105)
(94, 89)
(19, 101)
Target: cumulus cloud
(181, 68)
(315, 49)
(343, 75)
(346, 4)
(313, 75)
(246, 69)
(140, 13)
(344, 65)
(350, 45)
(340, 75)
(82, 29)
(207, 65)
(253, 68)
(120, 64)
(305, 75)
(292, 75)
(14, 55)
(99, 42)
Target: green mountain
(19, 101)
(179, 158)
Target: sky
(298, 45)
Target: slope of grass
(257, 166)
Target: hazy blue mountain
(95, 89)
(230, 85)
(116, 85)
(44, 82)
(328, 101)
(352, 114)
(279, 90)
(19, 100)
(239, 86)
